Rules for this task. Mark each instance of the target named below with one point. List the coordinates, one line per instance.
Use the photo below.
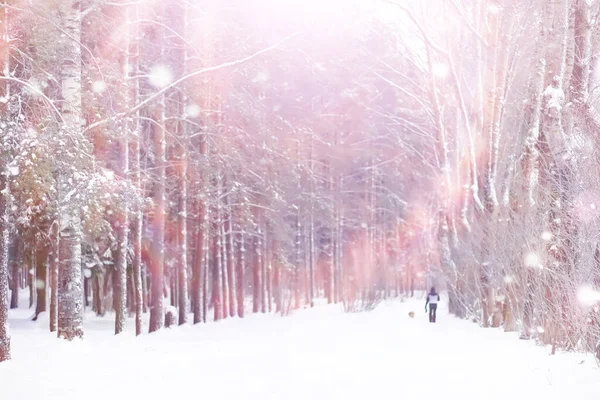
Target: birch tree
(70, 285)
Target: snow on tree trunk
(70, 285)
(4, 243)
(120, 289)
(14, 273)
(4, 215)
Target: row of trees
(206, 156)
(512, 94)
(182, 157)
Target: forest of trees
(190, 157)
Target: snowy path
(317, 354)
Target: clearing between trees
(320, 353)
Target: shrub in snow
(170, 316)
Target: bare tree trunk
(41, 283)
(229, 251)
(268, 281)
(31, 277)
(97, 293)
(182, 264)
(204, 273)
(241, 275)
(262, 265)
(138, 220)
(298, 264)
(199, 256)
(217, 276)
(256, 281)
(311, 258)
(223, 263)
(130, 69)
(158, 225)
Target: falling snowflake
(546, 235)
(532, 260)
(192, 110)
(13, 170)
(540, 329)
(160, 76)
(493, 9)
(99, 86)
(261, 77)
(440, 70)
(588, 296)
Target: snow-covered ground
(316, 354)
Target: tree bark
(241, 276)
(54, 261)
(229, 251)
(256, 283)
(70, 285)
(15, 273)
(199, 257)
(41, 282)
(182, 262)
(217, 276)
(4, 243)
(158, 226)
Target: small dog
(411, 314)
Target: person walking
(433, 299)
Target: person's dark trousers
(432, 312)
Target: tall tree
(70, 284)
